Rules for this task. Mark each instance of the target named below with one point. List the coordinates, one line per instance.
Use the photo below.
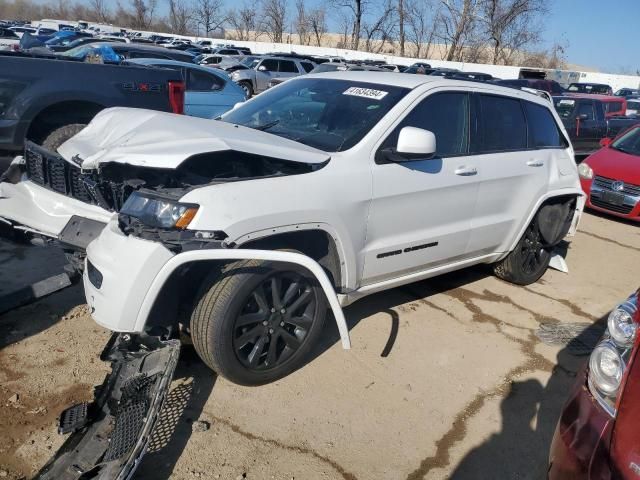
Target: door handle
(535, 163)
(465, 171)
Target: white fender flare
(241, 254)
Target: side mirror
(262, 68)
(413, 144)
(605, 142)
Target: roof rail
(540, 93)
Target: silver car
(255, 79)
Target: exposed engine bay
(110, 185)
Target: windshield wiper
(266, 126)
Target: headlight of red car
(610, 358)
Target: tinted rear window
(543, 131)
(288, 66)
(502, 124)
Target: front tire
(247, 87)
(60, 135)
(528, 261)
(257, 321)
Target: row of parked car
(281, 191)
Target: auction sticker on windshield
(365, 92)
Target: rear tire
(257, 321)
(247, 87)
(60, 135)
(528, 261)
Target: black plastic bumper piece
(110, 435)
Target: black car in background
(584, 117)
(48, 98)
(596, 88)
(550, 86)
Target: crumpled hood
(164, 140)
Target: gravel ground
(446, 379)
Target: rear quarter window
(542, 128)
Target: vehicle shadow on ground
(24, 322)
(183, 406)
(529, 414)
(387, 301)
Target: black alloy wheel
(532, 251)
(274, 321)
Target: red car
(598, 434)
(611, 176)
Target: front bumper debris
(111, 434)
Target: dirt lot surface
(446, 379)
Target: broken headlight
(157, 211)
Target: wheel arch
(560, 195)
(163, 300)
(58, 114)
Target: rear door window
(586, 108)
(287, 66)
(502, 125)
(543, 130)
(270, 65)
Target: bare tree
(553, 58)
(510, 26)
(318, 23)
(302, 23)
(141, 16)
(354, 12)
(401, 23)
(274, 19)
(100, 10)
(244, 22)
(209, 14)
(422, 19)
(380, 30)
(344, 28)
(458, 21)
(180, 16)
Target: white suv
(312, 195)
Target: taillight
(176, 97)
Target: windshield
(331, 115)
(589, 88)
(326, 67)
(104, 52)
(249, 61)
(629, 142)
(564, 107)
(633, 105)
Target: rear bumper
(110, 441)
(580, 446)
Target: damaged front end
(110, 435)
